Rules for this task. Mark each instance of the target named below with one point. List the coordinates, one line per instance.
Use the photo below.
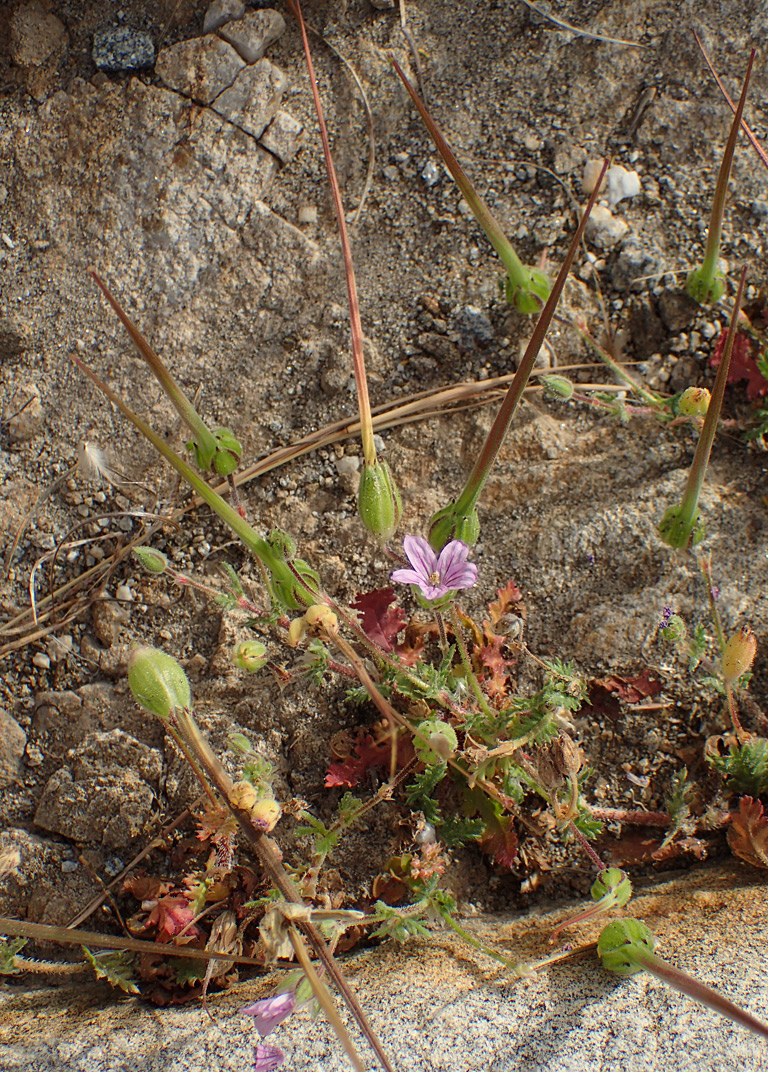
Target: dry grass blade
(44, 933)
(368, 119)
(744, 126)
(563, 25)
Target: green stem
(259, 547)
(363, 399)
(467, 501)
(521, 970)
(700, 282)
(519, 275)
(204, 439)
(698, 470)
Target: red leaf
(508, 596)
(366, 753)
(171, 915)
(380, 620)
(748, 834)
(743, 365)
(629, 689)
(500, 841)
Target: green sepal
(378, 500)
(620, 943)
(530, 298)
(679, 532)
(152, 560)
(614, 884)
(228, 451)
(448, 524)
(158, 682)
(705, 287)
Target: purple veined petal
(270, 1012)
(407, 576)
(267, 1057)
(420, 555)
(455, 571)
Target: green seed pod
(693, 402)
(739, 655)
(558, 387)
(526, 298)
(620, 941)
(153, 561)
(677, 533)
(158, 682)
(435, 741)
(250, 655)
(378, 500)
(447, 525)
(228, 452)
(612, 881)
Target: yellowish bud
(739, 655)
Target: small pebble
(69, 866)
(41, 661)
(347, 465)
(307, 215)
(430, 173)
(221, 12)
(122, 49)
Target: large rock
(106, 792)
(252, 101)
(200, 68)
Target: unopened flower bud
(566, 755)
(250, 655)
(263, 811)
(447, 525)
(612, 882)
(619, 943)
(296, 631)
(152, 560)
(321, 618)
(435, 741)
(693, 402)
(158, 682)
(238, 742)
(558, 387)
(378, 500)
(739, 655)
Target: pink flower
(267, 1057)
(269, 1013)
(436, 577)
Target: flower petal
(455, 572)
(267, 1057)
(270, 1012)
(407, 576)
(420, 555)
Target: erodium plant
(469, 753)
